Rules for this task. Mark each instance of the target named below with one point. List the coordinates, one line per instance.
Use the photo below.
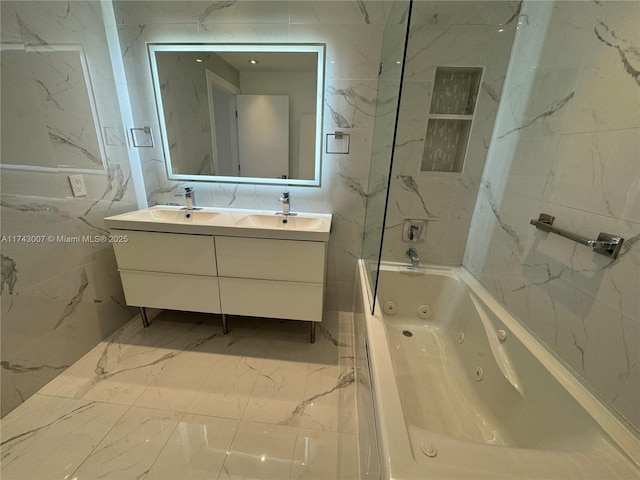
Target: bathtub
(450, 386)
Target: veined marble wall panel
(185, 95)
(60, 106)
(61, 295)
(567, 143)
(466, 34)
(353, 34)
(47, 327)
(479, 12)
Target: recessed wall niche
(453, 102)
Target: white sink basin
(280, 221)
(171, 215)
(225, 221)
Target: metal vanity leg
(312, 336)
(145, 319)
(225, 328)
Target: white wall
(567, 143)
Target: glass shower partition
(387, 102)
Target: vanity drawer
(269, 259)
(265, 298)
(171, 291)
(166, 252)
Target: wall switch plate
(77, 185)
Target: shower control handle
(412, 230)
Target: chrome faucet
(286, 204)
(413, 255)
(190, 197)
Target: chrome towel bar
(606, 244)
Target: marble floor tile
(329, 399)
(177, 383)
(196, 450)
(75, 380)
(271, 328)
(239, 346)
(227, 389)
(328, 350)
(72, 383)
(182, 376)
(130, 448)
(123, 381)
(290, 351)
(260, 450)
(277, 393)
(49, 437)
(324, 455)
(181, 400)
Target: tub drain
(407, 333)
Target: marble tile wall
(445, 34)
(567, 143)
(352, 32)
(61, 293)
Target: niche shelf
(453, 103)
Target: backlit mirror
(240, 113)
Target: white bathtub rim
(380, 360)
(389, 399)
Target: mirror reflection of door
(263, 130)
(224, 132)
(249, 134)
(224, 136)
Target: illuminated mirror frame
(319, 49)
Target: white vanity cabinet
(260, 277)
(168, 270)
(271, 277)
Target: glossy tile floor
(179, 400)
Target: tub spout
(413, 255)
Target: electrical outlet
(77, 185)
